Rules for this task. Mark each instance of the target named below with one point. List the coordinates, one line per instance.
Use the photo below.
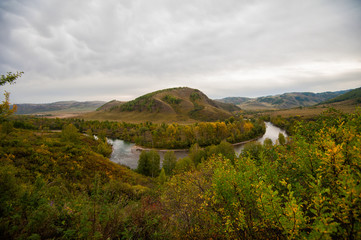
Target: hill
(354, 95)
(234, 100)
(348, 102)
(181, 104)
(56, 107)
(282, 101)
(109, 105)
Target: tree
(281, 139)
(227, 150)
(196, 154)
(70, 133)
(143, 164)
(9, 78)
(149, 163)
(154, 161)
(184, 165)
(169, 162)
(162, 177)
(268, 143)
(5, 105)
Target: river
(126, 154)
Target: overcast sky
(121, 49)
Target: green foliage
(162, 177)
(196, 112)
(171, 99)
(149, 163)
(5, 110)
(226, 150)
(104, 148)
(169, 162)
(9, 188)
(281, 139)
(89, 132)
(268, 143)
(10, 78)
(195, 96)
(7, 127)
(196, 154)
(184, 164)
(70, 133)
(252, 150)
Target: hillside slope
(175, 104)
(354, 95)
(282, 101)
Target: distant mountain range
(282, 101)
(188, 105)
(63, 106)
(354, 95)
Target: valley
(64, 182)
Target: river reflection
(126, 154)
(272, 133)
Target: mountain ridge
(283, 101)
(47, 108)
(354, 94)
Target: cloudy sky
(121, 49)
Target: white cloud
(121, 49)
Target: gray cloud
(86, 50)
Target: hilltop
(282, 101)
(181, 104)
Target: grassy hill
(169, 105)
(282, 101)
(56, 107)
(346, 103)
(354, 95)
(234, 100)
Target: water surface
(272, 133)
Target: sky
(121, 49)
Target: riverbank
(140, 148)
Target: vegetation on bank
(169, 136)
